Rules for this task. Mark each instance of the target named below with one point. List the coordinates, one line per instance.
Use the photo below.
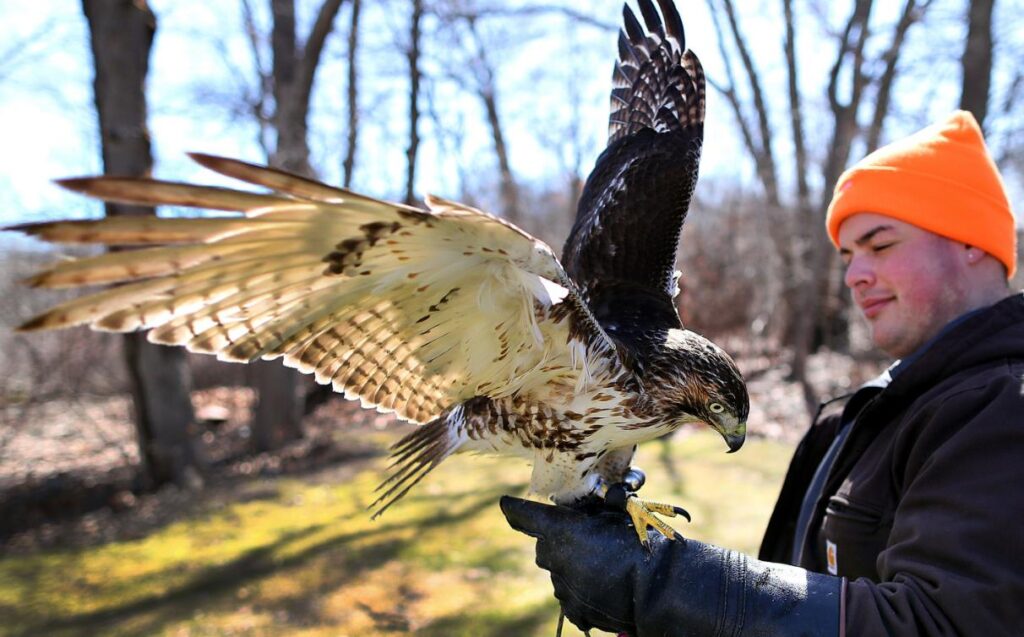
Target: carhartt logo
(830, 555)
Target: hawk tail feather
(414, 456)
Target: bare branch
(796, 117)
(761, 148)
(911, 13)
(314, 46)
(845, 115)
(729, 91)
(26, 48)
(415, 75)
(257, 103)
(349, 163)
(529, 11)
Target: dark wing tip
(632, 27)
(34, 281)
(651, 17)
(32, 325)
(204, 158)
(673, 22)
(657, 82)
(77, 184)
(31, 228)
(219, 163)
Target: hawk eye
(716, 408)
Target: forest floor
(280, 543)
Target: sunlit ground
(293, 557)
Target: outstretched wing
(621, 250)
(406, 309)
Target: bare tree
(476, 72)
(352, 95)
(844, 113)
(758, 144)
(278, 414)
(813, 305)
(486, 89)
(796, 115)
(415, 77)
(798, 292)
(977, 59)
(459, 11)
(912, 12)
(121, 33)
(791, 234)
(258, 102)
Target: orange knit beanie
(941, 179)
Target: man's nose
(858, 272)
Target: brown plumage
(447, 316)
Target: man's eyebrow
(867, 236)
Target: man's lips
(871, 307)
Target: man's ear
(976, 256)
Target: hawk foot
(644, 514)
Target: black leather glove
(605, 579)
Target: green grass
(288, 557)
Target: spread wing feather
(622, 248)
(407, 310)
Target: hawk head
(691, 379)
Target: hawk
(449, 317)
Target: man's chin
(892, 347)
(883, 339)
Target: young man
(903, 509)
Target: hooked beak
(733, 431)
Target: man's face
(907, 282)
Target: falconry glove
(605, 579)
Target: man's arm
(605, 579)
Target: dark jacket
(923, 508)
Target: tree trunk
(352, 98)
(797, 291)
(796, 117)
(281, 391)
(487, 90)
(415, 75)
(122, 32)
(790, 235)
(509, 189)
(977, 60)
(830, 326)
(164, 420)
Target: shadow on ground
(341, 563)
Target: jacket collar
(975, 338)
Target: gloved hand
(605, 579)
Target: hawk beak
(734, 432)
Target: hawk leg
(642, 512)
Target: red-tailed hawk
(449, 317)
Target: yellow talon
(643, 515)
